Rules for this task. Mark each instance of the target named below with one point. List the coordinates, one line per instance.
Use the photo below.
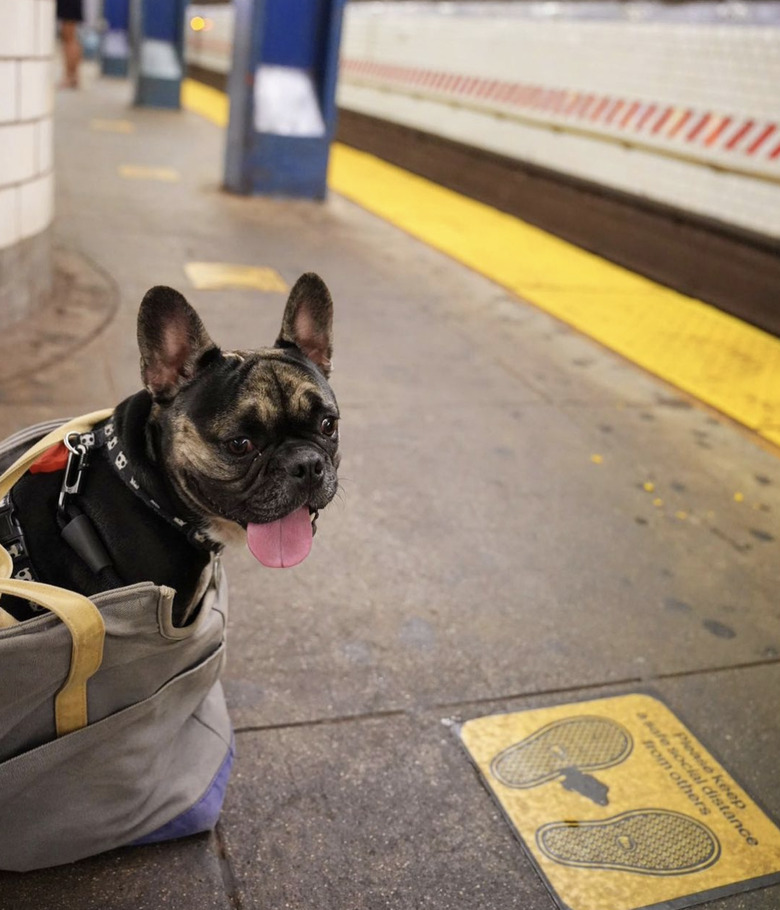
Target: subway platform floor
(526, 520)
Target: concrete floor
(494, 546)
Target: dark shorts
(70, 11)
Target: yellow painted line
(139, 172)
(718, 359)
(112, 126)
(218, 276)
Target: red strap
(53, 459)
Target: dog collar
(103, 436)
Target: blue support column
(283, 96)
(115, 44)
(157, 55)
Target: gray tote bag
(113, 724)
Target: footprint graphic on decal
(643, 841)
(566, 749)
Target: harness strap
(12, 540)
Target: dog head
(248, 439)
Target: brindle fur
(275, 397)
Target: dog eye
(329, 426)
(240, 446)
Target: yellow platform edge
(723, 362)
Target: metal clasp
(74, 470)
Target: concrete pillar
(282, 96)
(26, 179)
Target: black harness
(75, 526)
(12, 538)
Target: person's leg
(71, 49)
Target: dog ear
(308, 321)
(172, 341)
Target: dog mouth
(277, 543)
(286, 542)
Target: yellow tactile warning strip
(620, 807)
(720, 360)
(217, 276)
(140, 172)
(204, 100)
(707, 353)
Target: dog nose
(306, 465)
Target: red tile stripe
(684, 118)
(665, 123)
(646, 115)
(629, 114)
(699, 127)
(658, 125)
(718, 131)
(742, 131)
(761, 139)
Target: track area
(733, 270)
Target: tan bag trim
(81, 617)
(6, 567)
(87, 632)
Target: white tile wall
(732, 70)
(37, 205)
(724, 66)
(27, 29)
(17, 152)
(45, 28)
(18, 33)
(9, 217)
(8, 90)
(35, 96)
(45, 145)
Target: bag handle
(81, 617)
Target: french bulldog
(220, 446)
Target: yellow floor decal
(718, 359)
(112, 126)
(620, 806)
(218, 276)
(140, 172)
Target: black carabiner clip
(78, 455)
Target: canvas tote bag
(113, 723)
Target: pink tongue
(284, 543)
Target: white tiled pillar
(26, 180)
